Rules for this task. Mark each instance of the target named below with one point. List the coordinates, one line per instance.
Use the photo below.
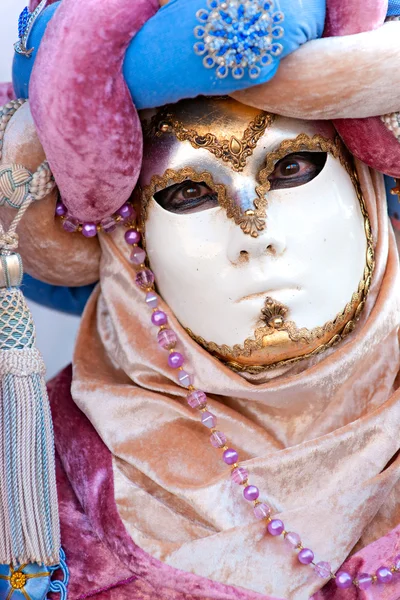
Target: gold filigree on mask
(233, 150)
(172, 177)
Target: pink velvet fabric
(86, 120)
(368, 139)
(371, 141)
(6, 93)
(104, 562)
(353, 16)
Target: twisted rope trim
(6, 112)
(21, 363)
(42, 181)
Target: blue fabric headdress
(194, 47)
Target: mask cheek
(186, 253)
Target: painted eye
(187, 197)
(297, 169)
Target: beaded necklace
(197, 399)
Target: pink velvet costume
(117, 368)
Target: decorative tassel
(29, 523)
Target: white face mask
(310, 257)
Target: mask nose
(243, 247)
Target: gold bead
(164, 127)
(18, 580)
(276, 322)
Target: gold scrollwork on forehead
(233, 151)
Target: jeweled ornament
(25, 24)
(238, 37)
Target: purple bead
(218, 439)
(239, 475)
(397, 562)
(208, 419)
(159, 318)
(127, 211)
(185, 378)
(70, 224)
(261, 511)
(108, 225)
(384, 575)
(167, 339)
(197, 399)
(89, 230)
(132, 236)
(364, 581)
(61, 209)
(152, 299)
(251, 493)
(230, 456)
(145, 278)
(343, 580)
(275, 527)
(305, 556)
(292, 539)
(323, 569)
(138, 256)
(175, 360)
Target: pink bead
(218, 439)
(185, 378)
(305, 556)
(251, 493)
(167, 339)
(364, 581)
(397, 563)
(132, 236)
(323, 569)
(144, 278)
(261, 511)
(138, 256)
(230, 456)
(275, 527)
(384, 575)
(89, 230)
(175, 360)
(197, 399)
(126, 211)
(343, 580)
(159, 318)
(208, 419)
(70, 224)
(239, 475)
(61, 209)
(292, 539)
(151, 299)
(108, 225)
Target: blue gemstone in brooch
(238, 37)
(25, 24)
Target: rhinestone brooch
(25, 24)
(238, 37)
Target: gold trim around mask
(286, 344)
(233, 151)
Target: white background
(55, 332)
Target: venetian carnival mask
(256, 230)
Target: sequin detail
(238, 37)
